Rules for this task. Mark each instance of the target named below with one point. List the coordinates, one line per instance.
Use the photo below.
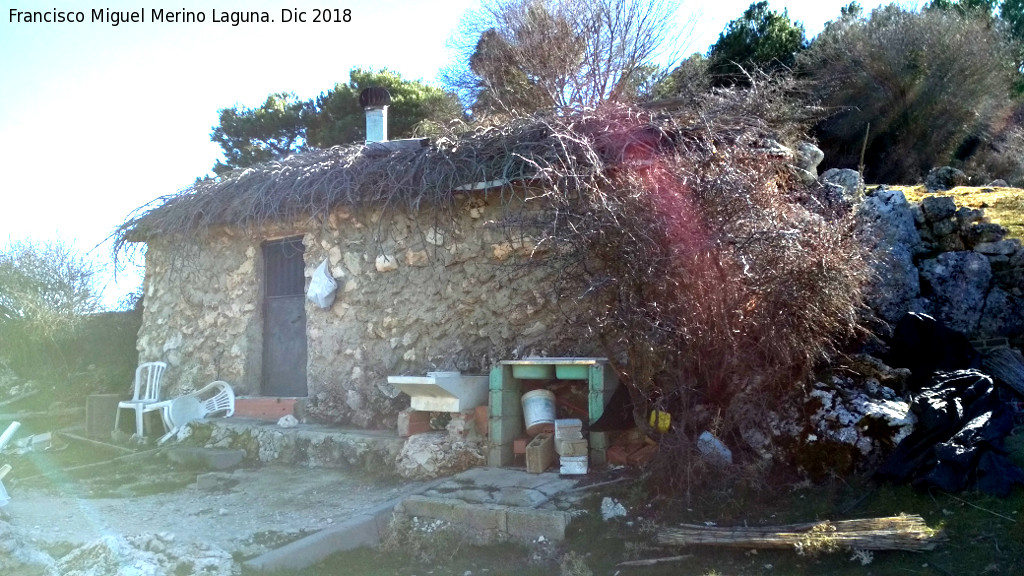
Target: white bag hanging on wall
(322, 287)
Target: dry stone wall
(948, 262)
(431, 291)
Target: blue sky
(96, 120)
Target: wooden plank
(890, 533)
(1007, 365)
(107, 445)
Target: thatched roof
(566, 152)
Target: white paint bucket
(539, 411)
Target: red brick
(617, 455)
(643, 455)
(482, 419)
(264, 407)
(413, 422)
(519, 445)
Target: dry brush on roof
(567, 153)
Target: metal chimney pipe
(375, 101)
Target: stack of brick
(570, 445)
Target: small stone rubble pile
(143, 555)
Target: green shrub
(932, 85)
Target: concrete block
(210, 481)
(499, 455)
(571, 447)
(211, 458)
(427, 507)
(540, 453)
(525, 524)
(357, 532)
(479, 518)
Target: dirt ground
(249, 512)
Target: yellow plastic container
(660, 421)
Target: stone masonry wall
(416, 294)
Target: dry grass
(1004, 206)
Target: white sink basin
(443, 391)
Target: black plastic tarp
(962, 416)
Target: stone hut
(430, 245)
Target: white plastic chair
(146, 396)
(217, 396)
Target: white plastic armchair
(217, 396)
(146, 395)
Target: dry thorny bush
(712, 278)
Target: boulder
(1003, 315)
(808, 156)
(806, 161)
(944, 178)
(966, 216)
(944, 227)
(435, 454)
(848, 180)
(1006, 247)
(938, 208)
(885, 226)
(957, 283)
(997, 183)
(983, 232)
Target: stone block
(944, 227)
(525, 524)
(1003, 247)
(938, 208)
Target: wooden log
(891, 533)
(653, 561)
(99, 443)
(1007, 365)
